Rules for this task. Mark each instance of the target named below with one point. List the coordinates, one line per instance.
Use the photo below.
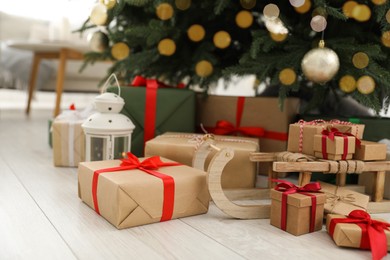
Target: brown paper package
(298, 212)
(349, 234)
(370, 151)
(240, 172)
(309, 131)
(335, 148)
(132, 198)
(61, 143)
(341, 200)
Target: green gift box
(174, 111)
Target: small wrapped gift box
(133, 192)
(155, 109)
(370, 151)
(341, 200)
(358, 230)
(333, 145)
(301, 134)
(297, 210)
(181, 147)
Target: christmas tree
(298, 47)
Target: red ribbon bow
(289, 188)
(149, 166)
(373, 232)
(331, 135)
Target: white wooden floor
(41, 216)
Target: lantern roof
(108, 123)
(109, 103)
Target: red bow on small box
(331, 135)
(289, 188)
(373, 232)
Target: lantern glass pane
(121, 145)
(98, 148)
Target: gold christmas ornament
(365, 85)
(271, 11)
(248, 4)
(361, 13)
(183, 4)
(98, 41)
(378, 2)
(320, 64)
(303, 8)
(99, 14)
(360, 60)
(347, 84)
(244, 19)
(120, 51)
(108, 3)
(388, 16)
(318, 23)
(166, 47)
(222, 39)
(278, 37)
(287, 76)
(386, 39)
(164, 11)
(196, 32)
(348, 7)
(204, 68)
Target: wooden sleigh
(282, 162)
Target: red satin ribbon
(331, 135)
(289, 188)
(149, 166)
(373, 232)
(224, 127)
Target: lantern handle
(108, 81)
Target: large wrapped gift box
(301, 134)
(340, 148)
(298, 219)
(132, 197)
(68, 142)
(155, 111)
(341, 200)
(257, 116)
(181, 147)
(352, 231)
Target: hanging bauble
(360, 60)
(320, 64)
(271, 11)
(365, 85)
(98, 41)
(297, 3)
(347, 84)
(204, 68)
(120, 51)
(361, 13)
(278, 37)
(99, 14)
(318, 23)
(183, 4)
(378, 2)
(287, 76)
(166, 47)
(303, 8)
(348, 8)
(244, 19)
(248, 4)
(222, 39)
(108, 3)
(388, 16)
(164, 11)
(196, 32)
(386, 39)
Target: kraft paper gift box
(328, 149)
(173, 109)
(341, 200)
(240, 172)
(298, 217)
(346, 233)
(261, 113)
(370, 151)
(128, 198)
(301, 134)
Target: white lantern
(107, 132)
